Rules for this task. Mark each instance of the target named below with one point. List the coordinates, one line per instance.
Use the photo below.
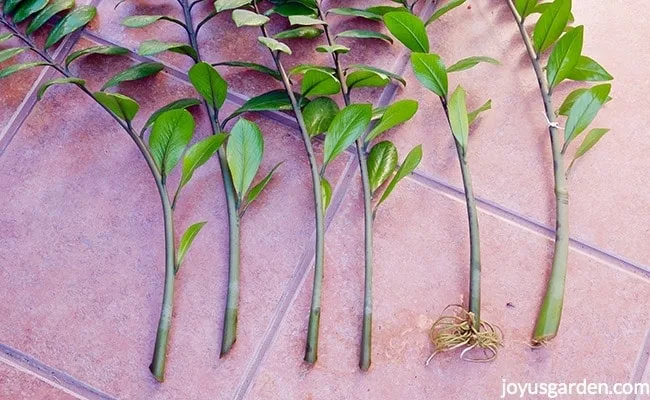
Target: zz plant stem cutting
(552, 33)
(464, 329)
(172, 128)
(238, 167)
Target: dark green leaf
(12, 69)
(253, 66)
(134, 73)
(565, 56)
(181, 104)
(347, 126)
(289, 9)
(382, 162)
(170, 135)
(584, 110)
(209, 84)
(389, 74)
(470, 62)
(458, 118)
(303, 32)
(58, 81)
(364, 34)
(198, 154)
(48, 12)
(28, 8)
(411, 162)
(103, 50)
(355, 12)
(551, 25)
(153, 47)
(445, 9)
(316, 83)
(409, 30)
(276, 100)
(76, 20)
(588, 69)
(319, 114)
(185, 243)
(395, 114)
(430, 71)
(383, 10)
(124, 107)
(244, 153)
(365, 78)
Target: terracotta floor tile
(87, 302)
(18, 385)
(428, 270)
(509, 149)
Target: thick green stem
(311, 348)
(365, 354)
(229, 335)
(157, 366)
(548, 320)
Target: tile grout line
(53, 377)
(642, 364)
(302, 271)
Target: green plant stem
(474, 236)
(311, 348)
(229, 335)
(157, 366)
(548, 320)
(365, 354)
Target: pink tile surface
(18, 385)
(509, 148)
(413, 283)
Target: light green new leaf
(364, 34)
(337, 48)
(260, 186)
(471, 116)
(244, 154)
(565, 56)
(319, 114)
(58, 81)
(103, 50)
(409, 30)
(223, 5)
(209, 84)
(180, 104)
(430, 71)
(590, 141)
(76, 20)
(305, 20)
(303, 32)
(5, 36)
(302, 69)
(326, 193)
(395, 114)
(139, 71)
(458, 118)
(12, 69)
(153, 47)
(186, 241)
(274, 45)
(28, 8)
(366, 78)
(122, 106)
(584, 110)
(198, 154)
(411, 162)
(355, 12)
(6, 54)
(382, 162)
(140, 21)
(248, 18)
(48, 12)
(588, 69)
(347, 126)
(525, 7)
(470, 62)
(444, 10)
(316, 83)
(170, 135)
(551, 24)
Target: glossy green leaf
(139, 71)
(139, 21)
(170, 135)
(12, 69)
(382, 162)
(473, 115)
(395, 114)
(409, 30)
(584, 110)
(571, 98)
(319, 114)
(355, 12)
(364, 78)
(326, 192)
(198, 154)
(289, 9)
(303, 32)
(10, 6)
(551, 24)
(302, 69)
(470, 62)
(260, 186)
(103, 50)
(74, 21)
(48, 12)
(444, 9)
(347, 126)
(276, 100)
(458, 118)
(411, 162)
(337, 48)
(185, 243)
(317, 83)
(305, 20)
(389, 74)
(11, 52)
(223, 5)
(58, 81)
(28, 8)
(248, 18)
(252, 66)
(590, 141)
(180, 104)
(364, 34)
(525, 7)
(153, 47)
(383, 10)
(565, 56)
(209, 84)
(430, 71)
(122, 106)
(274, 45)
(244, 154)
(588, 69)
